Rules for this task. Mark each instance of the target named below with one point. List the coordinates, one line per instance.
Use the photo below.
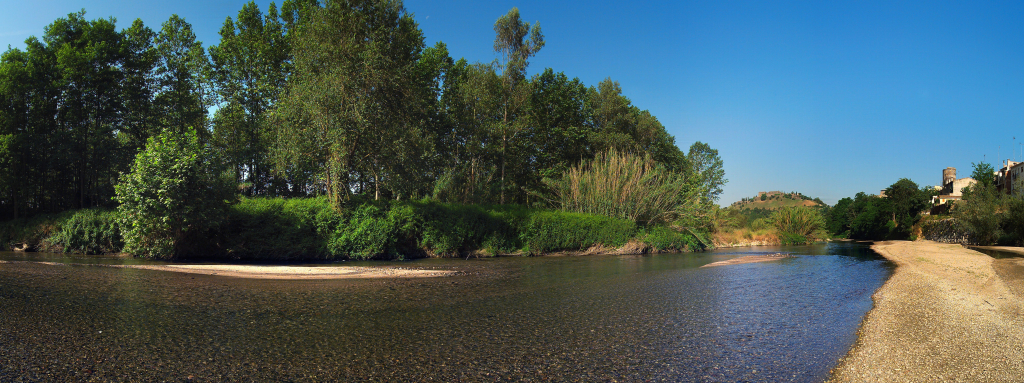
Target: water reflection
(561, 318)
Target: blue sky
(824, 98)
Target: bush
(33, 232)
(661, 238)
(554, 230)
(88, 231)
(174, 193)
(375, 230)
(450, 229)
(278, 228)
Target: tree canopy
(337, 97)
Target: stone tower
(948, 175)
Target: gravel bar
(947, 314)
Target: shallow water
(600, 318)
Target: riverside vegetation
(335, 133)
(984, 215)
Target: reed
(620, 185)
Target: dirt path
(946, 315)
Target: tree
(516, 42)
(838, 218)
(978, 212)
(907, 202)
(984, 173)
(617, 124)
(174, 192)
(250, 67)
(182, 73)
(347, 108)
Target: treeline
(340, 99)
(336, 98)
(872, 217)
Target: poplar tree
(184, 92)
(250, 68)
(515, 41)
(347, 110)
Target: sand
(947, 314)
(749, 259)
(282, 272)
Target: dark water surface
(601, 318)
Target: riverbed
(598, 318)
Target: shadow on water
(997, 254)
(599, 318)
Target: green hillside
(775, 200)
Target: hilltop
(775, 200)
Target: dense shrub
(88, 231)
(555, 230)
(175, 192)
(32, 232)
(278, 228)
(451, 229)
(661, 238)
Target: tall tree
(88, 58)
(250, 67)
(184, 94)
(907, 201)
(347, 107)
(516, 42)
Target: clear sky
(825, 98)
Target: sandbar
(282, 272)
(749, 259)
(945, 315)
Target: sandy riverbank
(282, 272)
(947, 314)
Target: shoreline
(276, 272)
(946, 314)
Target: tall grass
(619, 185)
(797, 224)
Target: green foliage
(173, 194)
(88, 231)
(555, 230)
(983, 173)
(798, 222)
(838, 219)
(349, 106)
(872, 217)
(278, 228)
(907, 202)
(660, 238)
(32, 232)
(620, 185)
(977, 212)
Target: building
(1007, 176)
(952, 188)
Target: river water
(598, 318)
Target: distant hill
(775, 200)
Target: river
(599, 318)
